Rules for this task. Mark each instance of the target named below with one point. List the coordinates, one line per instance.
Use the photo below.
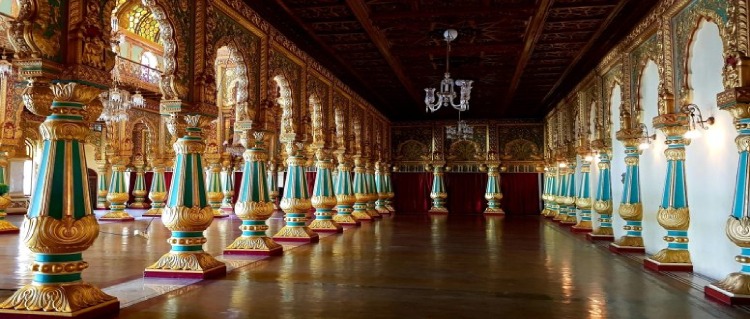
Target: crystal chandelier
(116, 103)
(461, 131)
(447, 93)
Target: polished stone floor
(400, 267)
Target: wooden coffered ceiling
(523, 55)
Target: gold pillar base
(361, 216)
(629, 241)
(583, 226)
(7, 228)
(138, 205)
(559, 216)
(373, 213)
(74, 300)
(347, 219)
(296, 234)
(672, 256)
(601, 233)
(154, 212)
(186, 265)
(219, 213)
(390, 208)
(120, 216)
(494, 211)
(382, 210)
(568, 220)
(325, 226)
(732, 290)
(264, 246)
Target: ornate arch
(285, 101)
(244, 108)
(612, 79)
(173, 43)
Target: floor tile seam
(660, 278)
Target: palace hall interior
(188, 159)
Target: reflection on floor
(401, 266)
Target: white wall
(594, 175)
(711, 162)
(653, 164)
(617, 165)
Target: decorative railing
(138, 75)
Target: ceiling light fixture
(461, 131)
(447, 93)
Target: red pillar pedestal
(654, 265)
(715, 293)
(626, 249)
(593, 237)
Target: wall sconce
(645, 138)
(696, 121)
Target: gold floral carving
(295, 205)
(253, 210)
(631, 161)
(186, 262)
(326, 202)
(583, 203)
(347, 200)
(674, 218)
(44, 234)
(738, 230)
(603, 206)
(296, 232)
(629, 241)
(736, 283)
(57, 298)
(187, 218)
(253, 243)
(157, 196)
(603, 231)
(118, 197)
(633, 212)
(675, 154)
(672, 256)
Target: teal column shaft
(570, 190)
(228, 187)
(359, 186)
(584, 190)
(158, 185)
(322, 189)
(438, 188)
(604, 191)
(675, 190)
(117, 186)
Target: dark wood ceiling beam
(339, 32)
(360, 10)
(330, 51)
(457, 50)
(506, 10)
(534, 32)
(585, 49)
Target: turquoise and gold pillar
(187, 213)
(359, 188)
(139, 189)
(493, 194)
(295, 201)
(438, 193)
(674, 213)
(344, 192)
(569, 195)
(372, 193)
(631, 208)
(389, 188)
(215, 193)
(583, 200)
(550, 204)
(59, 224)
(735, 288)
(101, 181)
(158, 192)
(323, 198)
(117, 195)
(5, 226)
(603, 199)
(228, 188)
(562, 190)
(381, 189)
(254, 205)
